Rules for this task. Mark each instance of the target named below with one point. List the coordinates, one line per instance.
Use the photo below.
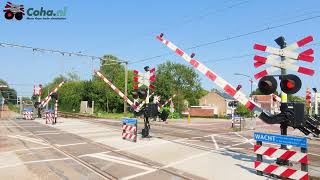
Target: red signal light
(290, 84)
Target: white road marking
(25, 138)
(139, 174)
(26, 149)
(47, 131)
(22, 126)
(123, 161)
(187, 131)
(32, 162)
(215, 142)
(243, 138)
(314, 154)
(193, 140)
(47, 134)
(72, 144)
(196, 137)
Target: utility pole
(125, 86)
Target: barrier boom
(167, 101)
(228, 88)
(115, 89)
(46, 100)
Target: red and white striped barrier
(129, 131)
(115, 89)
(129, 128)
(130, 136)
(167, 101)
(49, 117)
(281, 171)
(28, 115)
(281, 154)
(45, 101)
(228, 88)
(288, 63)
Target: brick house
(215, 103)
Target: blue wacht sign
(280, 139)
(129, 121)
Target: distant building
(215, 103)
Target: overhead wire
(229, 38)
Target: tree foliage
(8, 93)
(174, 78)
(171, 79)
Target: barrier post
(278, 170)
(259, 158)
(129, 129)
(55, 111)
(304, 166)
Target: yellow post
(189, 118)
(284, 97)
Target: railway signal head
(233, 103)
(142, 93)
(238, 87)
(135, 95)
(267, 85)
(290, 83)
(281, 41)
(146, 68)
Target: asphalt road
(94, 149)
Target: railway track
(96, 170)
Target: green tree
(174, 78)
(114, 71)
(243, 111)
(293, 98)
(8, 93)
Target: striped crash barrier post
(55, 111)
(129, 129)
(27, 115)
(284, 154)
(49, 115)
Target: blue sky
(127, 29)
